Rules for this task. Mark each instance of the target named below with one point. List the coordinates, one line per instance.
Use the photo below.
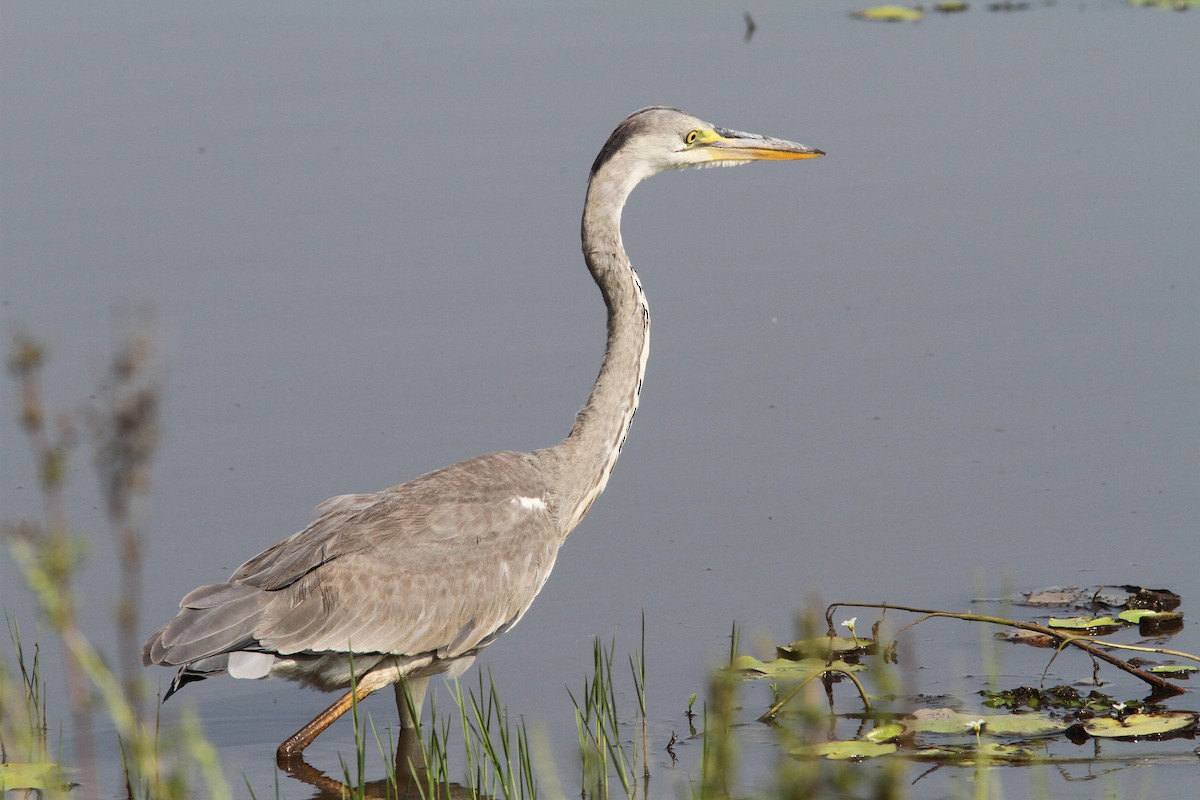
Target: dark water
(956, 354)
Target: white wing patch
(530, 503)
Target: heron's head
(658, 138)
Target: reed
(48, 553)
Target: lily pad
(842, 750)
(1174, 670)
(1137, 726)
(992, 751)
(1177, 5)
(949, 721)
(1142, 616)
(41, 776)
(1155, 623)
(827, 646)
(786, 669)
(1085, 624)
(889, 14)
(887, 732)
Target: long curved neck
(590, 451)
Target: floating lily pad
(1157, 623)
(41, 776)
(1138, 726)
(1174, 670)
(786, 669)
(842, 750)
(992, 751)
(1177, 5)
(949, 721)
(889, 14)
(886, 732)
(827, 646)
(1085, 624)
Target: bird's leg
(295, 744)
(410, 697)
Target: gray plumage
(415, 580)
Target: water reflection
(407, 781)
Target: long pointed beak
(742, 146)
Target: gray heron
(394, 587)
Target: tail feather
(196, 671)
(223, 619)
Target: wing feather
(441, 564)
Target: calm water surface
(956, 354)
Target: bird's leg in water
(410, 696)
(295, 744)
(412, 769)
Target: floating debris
(1095, 597)
(1063, 698)
(1031, 638)
(1153, 599)
(1173, 5)
(889, 14)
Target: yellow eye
(691, 137)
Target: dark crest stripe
(628, 127)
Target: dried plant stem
(1091, 647)
(125, 433)
(52, 538)
(1162, 651)
(770, 713)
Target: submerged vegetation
(840, 718)
(937, 732)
